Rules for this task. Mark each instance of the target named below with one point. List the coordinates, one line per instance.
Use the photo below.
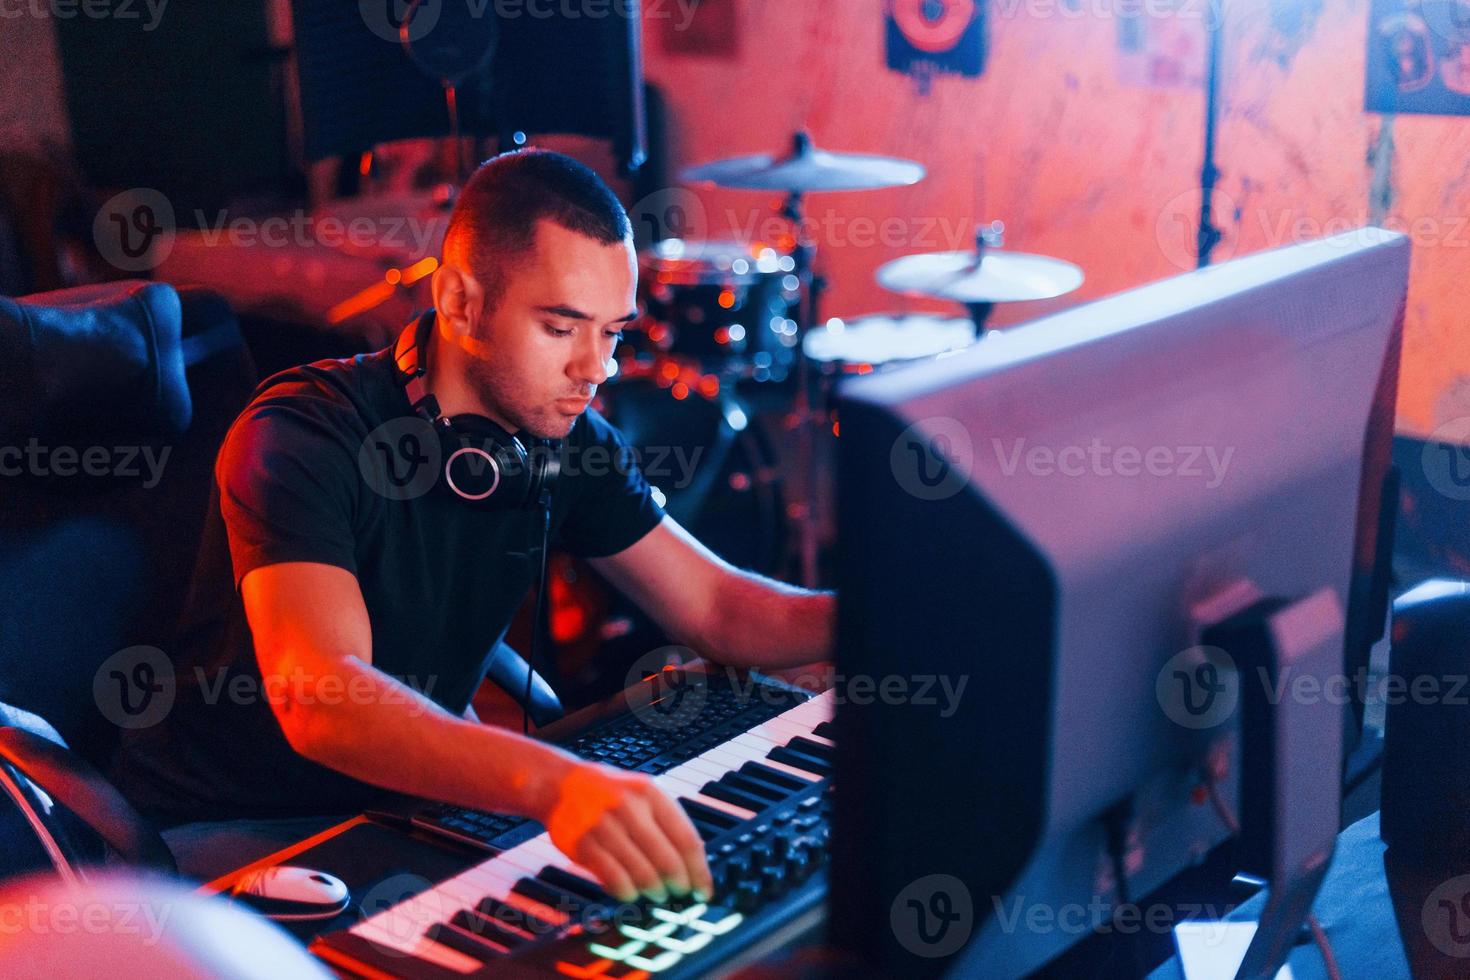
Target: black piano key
(826, 730)
(512, 915)
(467, 943)
(576, 884)
(801, 760)
(755, 787)
(814, 749)
(774, 776)
(552, 896)
(723, 791)
(708, 814)
(707, 831)
(487, 928)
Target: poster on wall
(925, 38)
(703, 28)
(1419, 57)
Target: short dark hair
(493, 223)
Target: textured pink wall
(1081, 164)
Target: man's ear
(458, 300)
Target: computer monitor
(553, 70)
(1036, 536)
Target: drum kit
(731, 332)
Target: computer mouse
(289, 893)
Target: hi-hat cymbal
(989, 276)
(808, 169)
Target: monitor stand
(1289, 663)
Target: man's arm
(313, 641)
(729, 615)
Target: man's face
(548, 340)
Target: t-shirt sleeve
(612, 504)
(287, 489)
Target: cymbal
(883, 338)
(989, 276)
(806, 169)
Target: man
(337, 632)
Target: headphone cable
(538, 619)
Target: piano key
(534, 910)
(487, 928)
(576, 884)
(728, 793)
(759, 788)
(812, 748)
(809, 753)
(418, 946)
(511, 915)
(718, 818)
(777, 777)
(780, 727)
(465, 942)
(733, 757)
(754, 742)
(567, 902)
(682, 790)
(800, 761)
(827, 730)
(807, 778)
(704, 766)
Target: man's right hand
(625, 830)
(310, 625)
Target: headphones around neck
(481, 463)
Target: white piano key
(704, 768)
(729, 757)
(779, 726)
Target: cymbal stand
(802, 417)
(986, 236)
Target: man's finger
(686, 840)
(608, 870)
(653, 842)
(626, 844)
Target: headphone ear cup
(484, 465)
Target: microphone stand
(1209, 234)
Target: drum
(722, 303)
(710, 465)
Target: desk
(1384, 917)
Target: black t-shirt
(326, 465)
